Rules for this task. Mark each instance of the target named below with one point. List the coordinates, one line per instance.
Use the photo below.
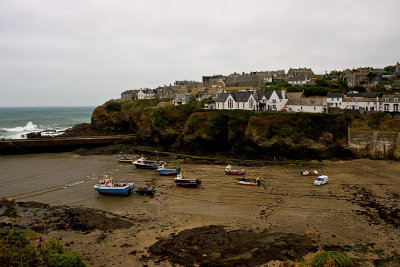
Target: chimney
(283, 92)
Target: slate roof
(279, 93)
(237, 96)
(297, 78)
(391, 98)
(243, 78)
(305, 102)
(267, 94)
(294, 94)
(335, 95)
(361, 95)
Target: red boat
(228, 170)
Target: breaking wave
(20, 132)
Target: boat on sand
(122, 158)
(230, 171)
(181, 181)
(144, 163)
(309, 173)
(163, 171)
(108, 187)
(246, 181)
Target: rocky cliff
(232, 133)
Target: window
(396, 99)
(396, 107)
(273, 100)
(387, 99)
(251, 103)
(230, 103)
(386, 107)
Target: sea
(17, 122)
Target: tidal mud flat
(219, 223)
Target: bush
(25, 247)
(336, 258)
(113, 106)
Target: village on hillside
(299, 90)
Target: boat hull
(146, 166)
(235, 172)
(125, 160)
(242, 181)
(114, 191)
(168, 171)
(187, 182)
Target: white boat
(144, 163)
(308, 173)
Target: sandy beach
(360, 204)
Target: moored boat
(122, 158)
(309, 173)
(181, 181)
(163, 171)
(144, 163)
(228, 170)
(108, 187)
(246, 181)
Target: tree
(371, 76)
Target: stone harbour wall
(374, 145)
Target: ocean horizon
(17, 122)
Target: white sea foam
(20, 132)
(29, 127)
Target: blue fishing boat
(163, 171)
(180, 181)
(108, 187)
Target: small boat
(228, 170)
(309, 173)
(122, 158)
(245, 181)
(144, 163)
(163, 171)
(108, 187)
(180, 181)
(146, 191)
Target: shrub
(334, 258)
(25, 247)
(113, 106)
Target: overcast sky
(85, 52)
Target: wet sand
(357, 206)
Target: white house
(146, 94)
(312, 105)
(355, 101)
(181, 99)
(236, 100)
(389, 103)
(298, 80)
(335, 100)
(271, 100)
